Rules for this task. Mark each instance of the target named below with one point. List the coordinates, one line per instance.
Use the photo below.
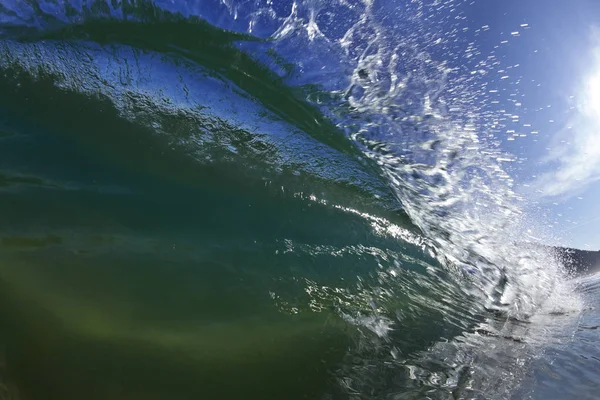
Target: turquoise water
(190, 210)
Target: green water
(122, 282)
(138, 265)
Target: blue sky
(549, 87)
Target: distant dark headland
(578, 261)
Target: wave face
(223, 199)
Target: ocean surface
(268, 200)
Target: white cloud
(575, 152)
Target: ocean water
(268, 200)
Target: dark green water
(156, 250)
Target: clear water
(259, 200)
